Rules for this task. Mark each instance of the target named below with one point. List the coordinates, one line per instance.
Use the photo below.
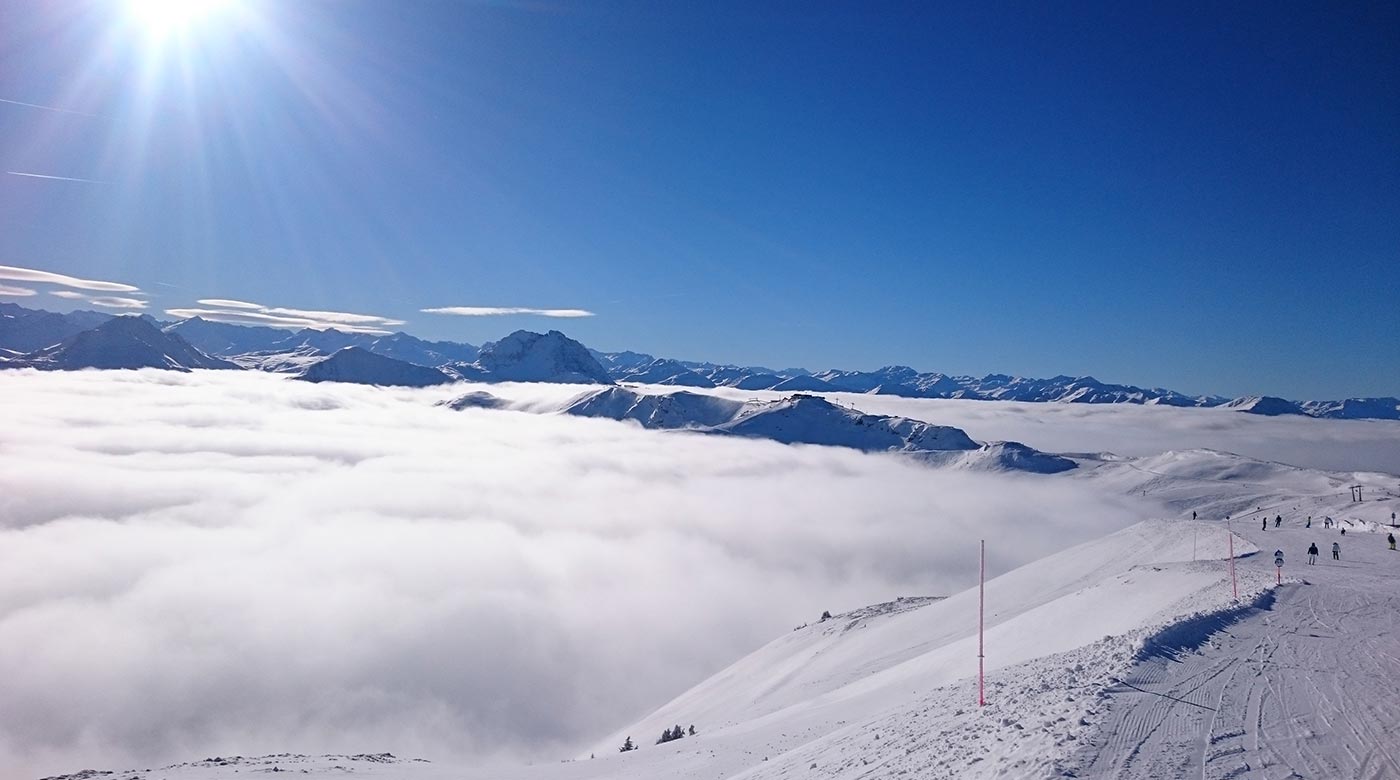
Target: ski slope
(1304, 685)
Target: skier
(1309, 525)
(1390, 538)
(1278, 520)
(1344, 532)
(1336, 551)
(1193, 515)
(1312, 554)
(1266, 525)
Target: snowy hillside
(798, 419)
(1265, 405)
(663, 411)
(362, 367)
(663, 372)
(810, 419)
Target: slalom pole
(981, 611)
(1234, 583)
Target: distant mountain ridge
(557, 359)
(119, 343)
(796, 419)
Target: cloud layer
(495, 311)
(245, 313)
(1335, 445)
(17, 274)
(235, 563)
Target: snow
(524, 356)
(278, 362)
(1265, 405)
(125, 342)
(664, 372)
(810, 419)
(673, 411)
(360, 366)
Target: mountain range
(796, 419)
(34, 338)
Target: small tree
(677, 732)
(627, 746)
(692, 729)
(826, 615)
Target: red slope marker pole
(981, 611)
(1234, 583)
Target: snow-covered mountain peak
(123, 342)
(525, 356)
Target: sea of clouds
(1139, 429)
(237, 563)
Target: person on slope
(1336, 551)
(1312, 554)
(1390, 538)
(1309, 525)
(1278, 521)
(1266, 525)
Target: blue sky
(1206, 200)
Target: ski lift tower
(1356, 493)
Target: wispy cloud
(238, 312)
(496, 311)
(48, 108)
(225, 303)
(56, 178)
(15, 292)
(17, 274)
(114, 302)
(69, 294)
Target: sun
(161, 18)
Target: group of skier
(1327, 522)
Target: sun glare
(160, 18)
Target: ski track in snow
(1307, 686)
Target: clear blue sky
(1205, 199)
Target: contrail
(58, 178)
(48, 108)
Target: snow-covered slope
(278, 362)
(524, 356)
(797, 419)
(1387, 408)
(663, 372)
(121, 343)
(810, 419)
(669, 411)
(1264, 404)
(362, 367)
